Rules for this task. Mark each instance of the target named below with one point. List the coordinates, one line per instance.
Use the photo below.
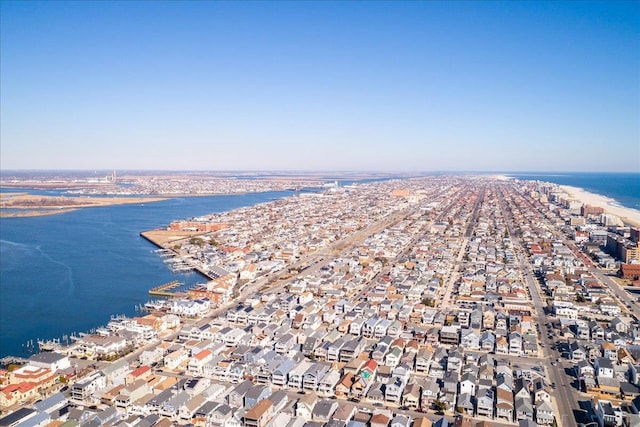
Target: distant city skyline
(320, 86)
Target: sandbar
(24, 205)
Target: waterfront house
(50, 360)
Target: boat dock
(164, 290)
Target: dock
(164, 290)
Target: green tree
(439, 405)
(197, 241)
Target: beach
(627, 215)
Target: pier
(164, 290)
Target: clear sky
(386, 86)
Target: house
(504, 404)
(392, 358)
(259, 415)
(188, 410)
(323, 410)
(604, 368)
(255, 394)
(198, 361)
(400, 421)
(486, 372)
(296, 374)
(450, 335)
(280, 375)
(345, 412)
(171, 407)
(50, 360)
(411, 395)
(609, 351)
(465, 404)
(468, 383)
(544, 413)
(451, 380)
(521, 388)
(515, 343)
(488, 341)
(380, 419)
(305, 405)
(469, 339)
(608, 414)
(393, 392)
(311, 378)
(175, 359)
(430, 392)
(576, 352)
(585, 369)
(235, 398)
(52, 403)
(328, 383)
(484, 402)
(84, 388)
(502, 345)
(423, 360)
(523, 408)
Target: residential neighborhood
(462, 300)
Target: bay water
(69, 273)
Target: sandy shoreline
(627, 215)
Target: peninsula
(22, 204)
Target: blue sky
(385, 86)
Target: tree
(439, 405)
(429, 302)
(197, 241)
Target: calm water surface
(69, 273)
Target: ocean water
(69, 273)
(624, 188)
